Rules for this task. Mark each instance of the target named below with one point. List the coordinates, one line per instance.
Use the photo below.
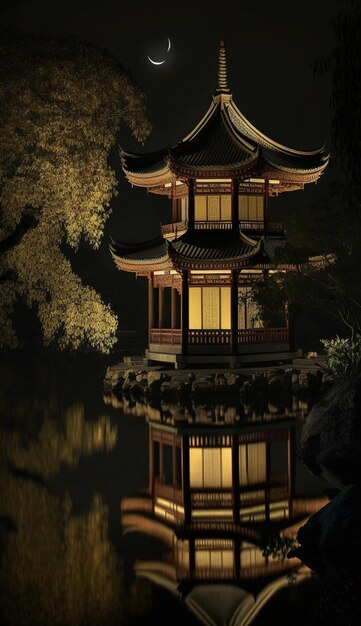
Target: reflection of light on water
(62, 441)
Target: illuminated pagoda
(220, 499)
(219, 178)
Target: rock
(203, 385)
(310, 381)
(331, 437)
(142, 375)
(118, 388)
(155, 380)
(330, 541)
(275, 383)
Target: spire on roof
(222, 69)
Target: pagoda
(221, 239)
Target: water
(113, 512)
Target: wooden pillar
(173, 307)
(186, 488)
(266, 204)
(235, 479)
(234, 204)
(174, 204)
(291, 332)
(160, 307)
(185, 311)
(291, 463)
(234, 312)
(191, 204)
(150, 306)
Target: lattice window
(215, 207)
(250, 208)
(210, 308)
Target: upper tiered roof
(224, 144)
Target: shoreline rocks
(156, 383)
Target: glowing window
(250, 208)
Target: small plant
(343, 356)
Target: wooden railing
(278, 227)
(174, 229)
(253, 225)
(219, 337)
(263, 335)
(169, 336)
(213, 224)
(209, 337)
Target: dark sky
(271, 45)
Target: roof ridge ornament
(222, 86)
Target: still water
(118, 513)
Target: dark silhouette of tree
(333, 224)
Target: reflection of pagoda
(221, 238)
(216, 498)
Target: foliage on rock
(343, 357)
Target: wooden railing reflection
(251, 225)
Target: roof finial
(222, 68)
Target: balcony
(171, 231)
(219, 337)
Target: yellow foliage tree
(61, 104)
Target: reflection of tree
(58, 568)
(60, 443)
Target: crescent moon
(156, 62)
(160, 62)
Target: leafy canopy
(61, 105)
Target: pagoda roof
(192, 250)
(208, 250)
(224, 143)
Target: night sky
(270, 45)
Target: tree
(333, 224)
(61, 105)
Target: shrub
(343, 356)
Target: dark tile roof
(140, 252)
(211, 247)
(144, 163)
(213, 146)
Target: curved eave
(245, 127)
(145, 170)
(158, 179)
(299, 174)
(141, 258)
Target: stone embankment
(154, 383)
